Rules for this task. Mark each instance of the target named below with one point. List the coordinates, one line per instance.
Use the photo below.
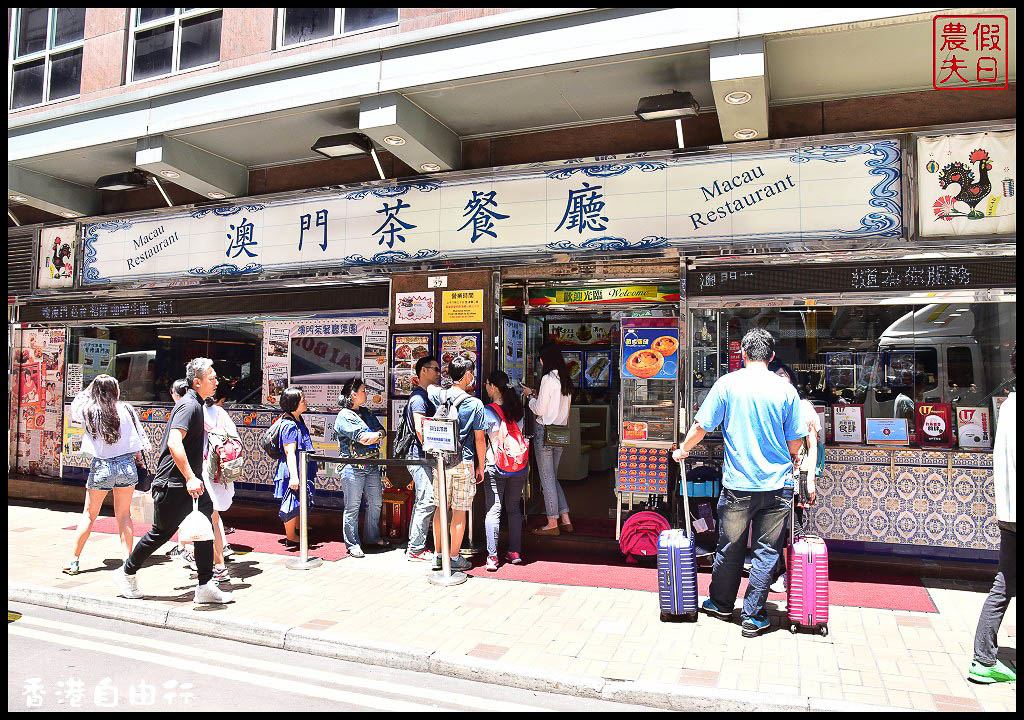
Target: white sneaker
(228, 551)
(188, 559)
(779, 586)
(211, 594)
(127, 585)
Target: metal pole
(447, 577)
(303, 562)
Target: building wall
(247, 38)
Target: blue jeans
(422, 509)
(357, 482)
(503, 493)
(548, 458)
(768, 513)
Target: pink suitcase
(807, 583)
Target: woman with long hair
(359, 436)
(114, 437)
(551, 406)
(502, 490)
(217, 421)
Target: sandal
(71, 568)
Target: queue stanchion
(303, 561)
(446, 577)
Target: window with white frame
(169, 40)
(45, 55)
(297, 26)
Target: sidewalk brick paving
(878, 657)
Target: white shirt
(216, 419)
(1004, 458)
(131, 441)
(550, 406)
(809, 420)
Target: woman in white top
(551, 406)
(114, 437)
(813, 447)
(217, 420)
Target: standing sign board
(848, 423)
(934, 422)
(439, 435)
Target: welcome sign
(638, 202)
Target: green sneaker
(986, 675)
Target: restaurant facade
(889, 285)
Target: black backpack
(405, 434)
(271, 441)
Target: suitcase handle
(686, 499)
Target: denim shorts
(113, 472)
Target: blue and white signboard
(636, 202)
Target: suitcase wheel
(824, 630)
(792, 628)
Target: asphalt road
(63, 661)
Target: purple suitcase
(677, 569)
(807, 582)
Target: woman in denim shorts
(114, 437)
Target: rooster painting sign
(967, 184)
(56, 257)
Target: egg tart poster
(650, 353)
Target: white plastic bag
(195, 527)
(142, 508)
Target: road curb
(325, 644)
(328, 644)
(498, 673)
(206, 620)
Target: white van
(135, 373)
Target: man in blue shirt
(759, 413)
(463, 479)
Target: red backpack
(639, 537)
(512, 451)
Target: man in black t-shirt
(178, 480)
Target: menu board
(574, 363)
(598, 369)
(643, 470)
(650, 353)
(934, 423)
(513, 350)
(405, 351)
(579, 333)
(451, 344)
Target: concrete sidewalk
(592, 642)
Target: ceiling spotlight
(169, 174)
(333, 146)
(216, 195)
(19, 198)
(739, 97)
(672, 105)
(69, 214)
(430, 167)
(395, 140)
(745, 134)
(133, 180)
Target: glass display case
(648, 406)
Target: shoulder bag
(145, 482)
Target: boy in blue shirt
(462, 480)
(759, 413)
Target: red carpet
(847, 587)
(243, 541)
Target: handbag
(145, 483)
(556, 435)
